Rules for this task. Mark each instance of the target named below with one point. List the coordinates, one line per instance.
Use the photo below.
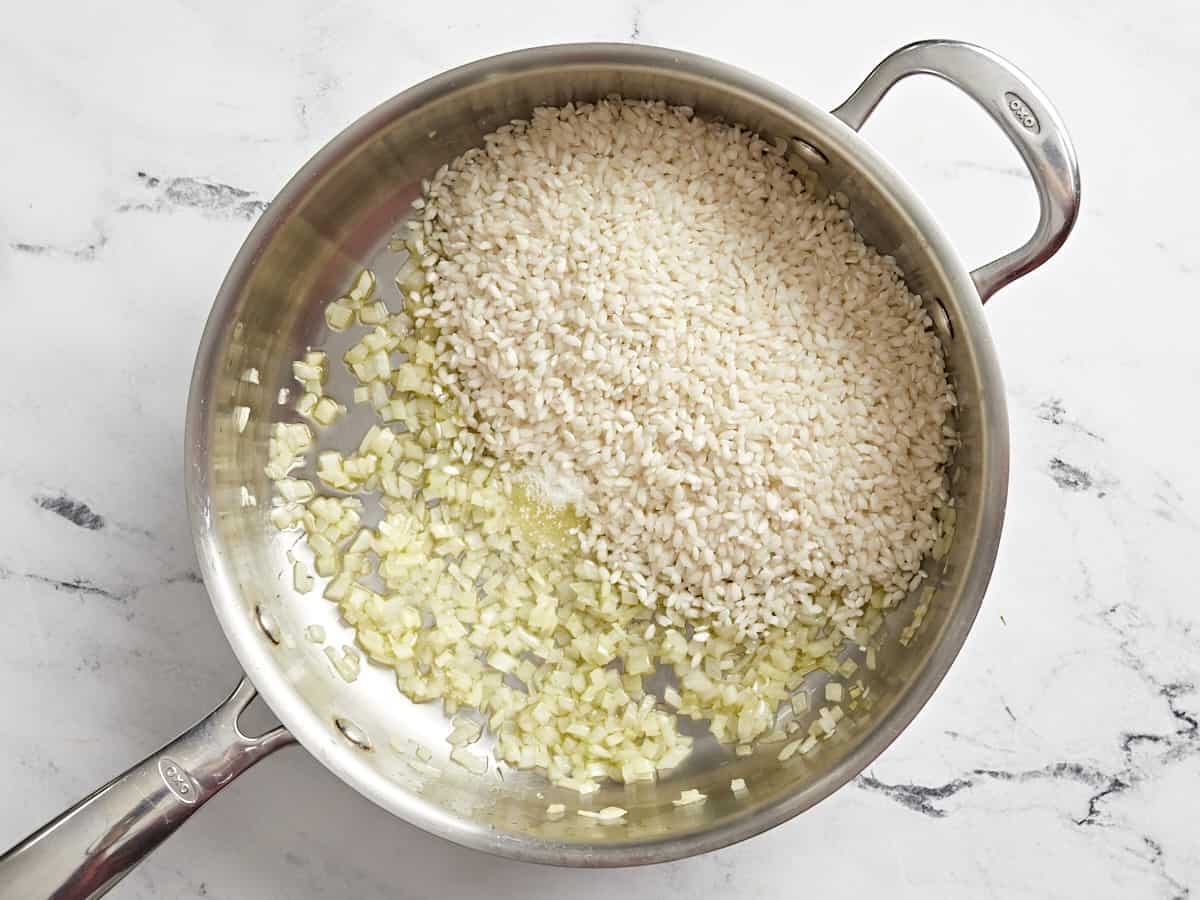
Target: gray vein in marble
(1069, 477)
(82, 252)
(635, 33)
(74, 511)
(1143, 753)
(41, 765)
(917, 797)
(86, 587)
(1170, 747)
(973, 741)
(327, 83)
(211, 197)
(1115, 785)
(1185, 740)
(1171, 505)
(1156, 861)
(76, 585)
(1053, 412)
(1168, 503)
(924, 798)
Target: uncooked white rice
(657, 308)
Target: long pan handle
(89, 848)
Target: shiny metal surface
(1024, 114)
(89, 848)
(336, 216)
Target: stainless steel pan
(336, 216)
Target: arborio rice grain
(656, 307)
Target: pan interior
(336, 217)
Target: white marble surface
(1061, 757)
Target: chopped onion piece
(690, 797)
(474, 764)
(307, 403)
(241, 415)
(250, 376)
(364, 285)
(555, 811)
(608, 814)
(327, 410)
(339, 315)
(423, 768)
(301, 579)
(347, 664)
(738, 786)
(373, 313)
(410, 277)
(465, 731)
(315, 633)
(294, 490)
(305, 372)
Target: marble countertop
(1060, 758)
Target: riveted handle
(89, 848)
(1024, 114)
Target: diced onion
(301, 579)
(473, 763)
(339, 315)
(364, 285)
(690, 797)
(465, 731)
(608, 814)
(347, 663)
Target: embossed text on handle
(178, 781)
(1020, 111)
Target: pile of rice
(657, 309)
